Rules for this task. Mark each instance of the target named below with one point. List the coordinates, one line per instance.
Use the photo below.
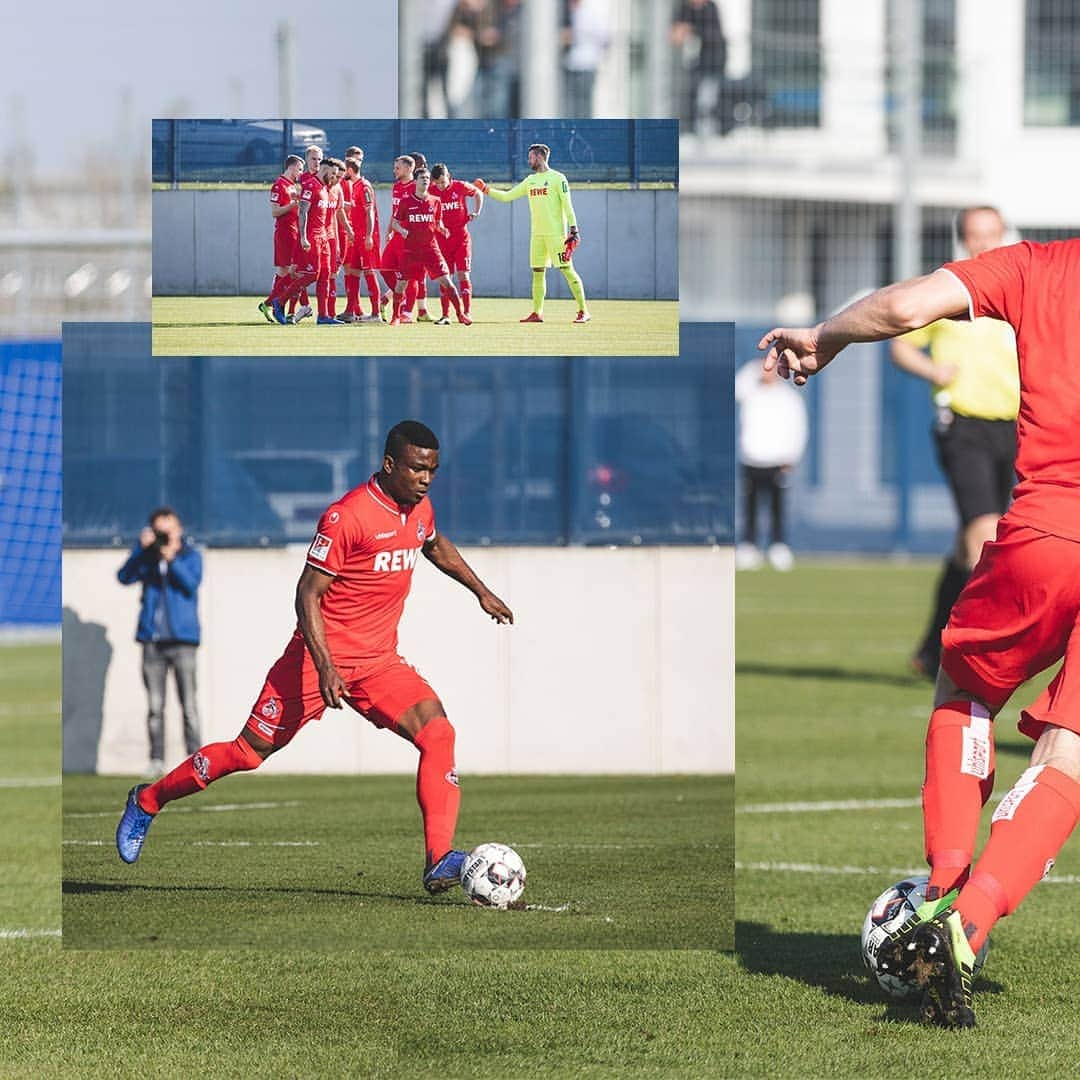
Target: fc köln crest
(420, 531)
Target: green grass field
(233, 326)
(287, 1012)
(827, 713)
(334, 862)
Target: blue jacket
(170, 604)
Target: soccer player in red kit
(403, 185)
(338, 234)
(417, 290)
(1018, 614)
(457, 247)
(284, 199)
(418, 220)
(348, 603)
(364, 253)
(312, 160)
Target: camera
(161, 538)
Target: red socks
(352, 295)
(959, 780)
(1029, 827)
(444, 299)
(437, 789)
(372, 283)
(203, 767)
(322, 290)
(466, 296)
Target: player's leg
(399, 698)
(399, 299)
(184, 671)
(289, 698)
(154, 670)
(577, 290)
(465, 288)
(449, 289)
(352, 294)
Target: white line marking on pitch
(11, 935)
(835, 804)
(898, 872)
(544, 907)
(208, 843)
(29, 781)
(200, 809)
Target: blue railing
(545, 450)
(246, 151)
(30, 492)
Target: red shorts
(415, 264)
(391, 255)
(360, 258)
(1018, 614)
(316, 260)
(285, 244)
(457, 251)
(381, 691)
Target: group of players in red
(326, 221)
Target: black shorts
(978, 459)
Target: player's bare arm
(305, 243)
(479, 201)
(445, 556)
(895, 309)
(343, 219)
(397, 227)
(310, 588)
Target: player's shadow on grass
(837, 674)
(829, 961)
(75, 888)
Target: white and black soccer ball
(493, 875)
(886, 913)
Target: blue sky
(80, 77)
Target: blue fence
(903, 504)
(548, 450)
(241, 151)
(30, 487)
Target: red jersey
(422, 217)
(370, 545)
(400, 189)
(363, 196)
(455, 210)
(281, 194)
(1033, 287)
(315, 193)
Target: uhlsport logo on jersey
(320, 547)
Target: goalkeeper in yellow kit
(554, 229)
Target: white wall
(620, 661)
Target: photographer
(169, 567)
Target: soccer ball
(887, 912)
(493, 876)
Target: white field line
(198, 809)
(545, 907)
(207, 843)
(834, 804)
(13, 935)
(877, 871)
(29, 781)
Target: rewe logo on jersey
(421, 217)
(392, 561)
(537, 191)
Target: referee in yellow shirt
(973, 371)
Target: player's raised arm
(444, 555)
(310, 588)
(890, 311)
(478, 195)
(516, 192)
